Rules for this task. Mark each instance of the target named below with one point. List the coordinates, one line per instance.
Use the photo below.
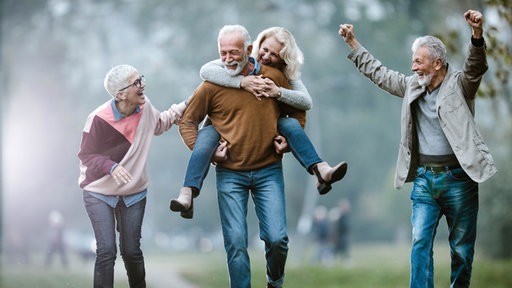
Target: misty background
(55, 54)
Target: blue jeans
(266, 187)
(199, 163)
(453, 194)
(299, 142)
(128, 222)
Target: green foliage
(500, 52)
(495, 226)
(41, 278)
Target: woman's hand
(121, 175)
(260, 87)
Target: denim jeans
(298, 141)
(453, 194)
(266, 187)
(128, 222)
(199, 163)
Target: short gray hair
(117, 78)
(434, 45)
(236, 28)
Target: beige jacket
(455, 109)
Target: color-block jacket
(106, 142)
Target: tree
(495, 226)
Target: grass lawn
(370, 266)
(379, 266)
(78, 274)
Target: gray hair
(290, 53)
(117, 78)
(434, 45)
(227, 29)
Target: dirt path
(159, 274)
(162, 275)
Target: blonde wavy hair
(290, 54)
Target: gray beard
(426, 80)
(234, 72)
(239, 68)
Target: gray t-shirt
(431, 138)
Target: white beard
(234, 72)
(425, 81)
(240, 66)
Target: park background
(55, 54)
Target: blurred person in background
(321, 229)
(441, 149)
(275, 47)
(341, 231)
(113, 153)
(56, 243)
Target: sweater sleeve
(91, 152)
(165, 121)
(95, 162)
(298, 97)
(196, 111)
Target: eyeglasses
(137, 83)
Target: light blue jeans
(266, 187)
(199, 163)
(453, 194)
(299, 142)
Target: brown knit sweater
(248, 125)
